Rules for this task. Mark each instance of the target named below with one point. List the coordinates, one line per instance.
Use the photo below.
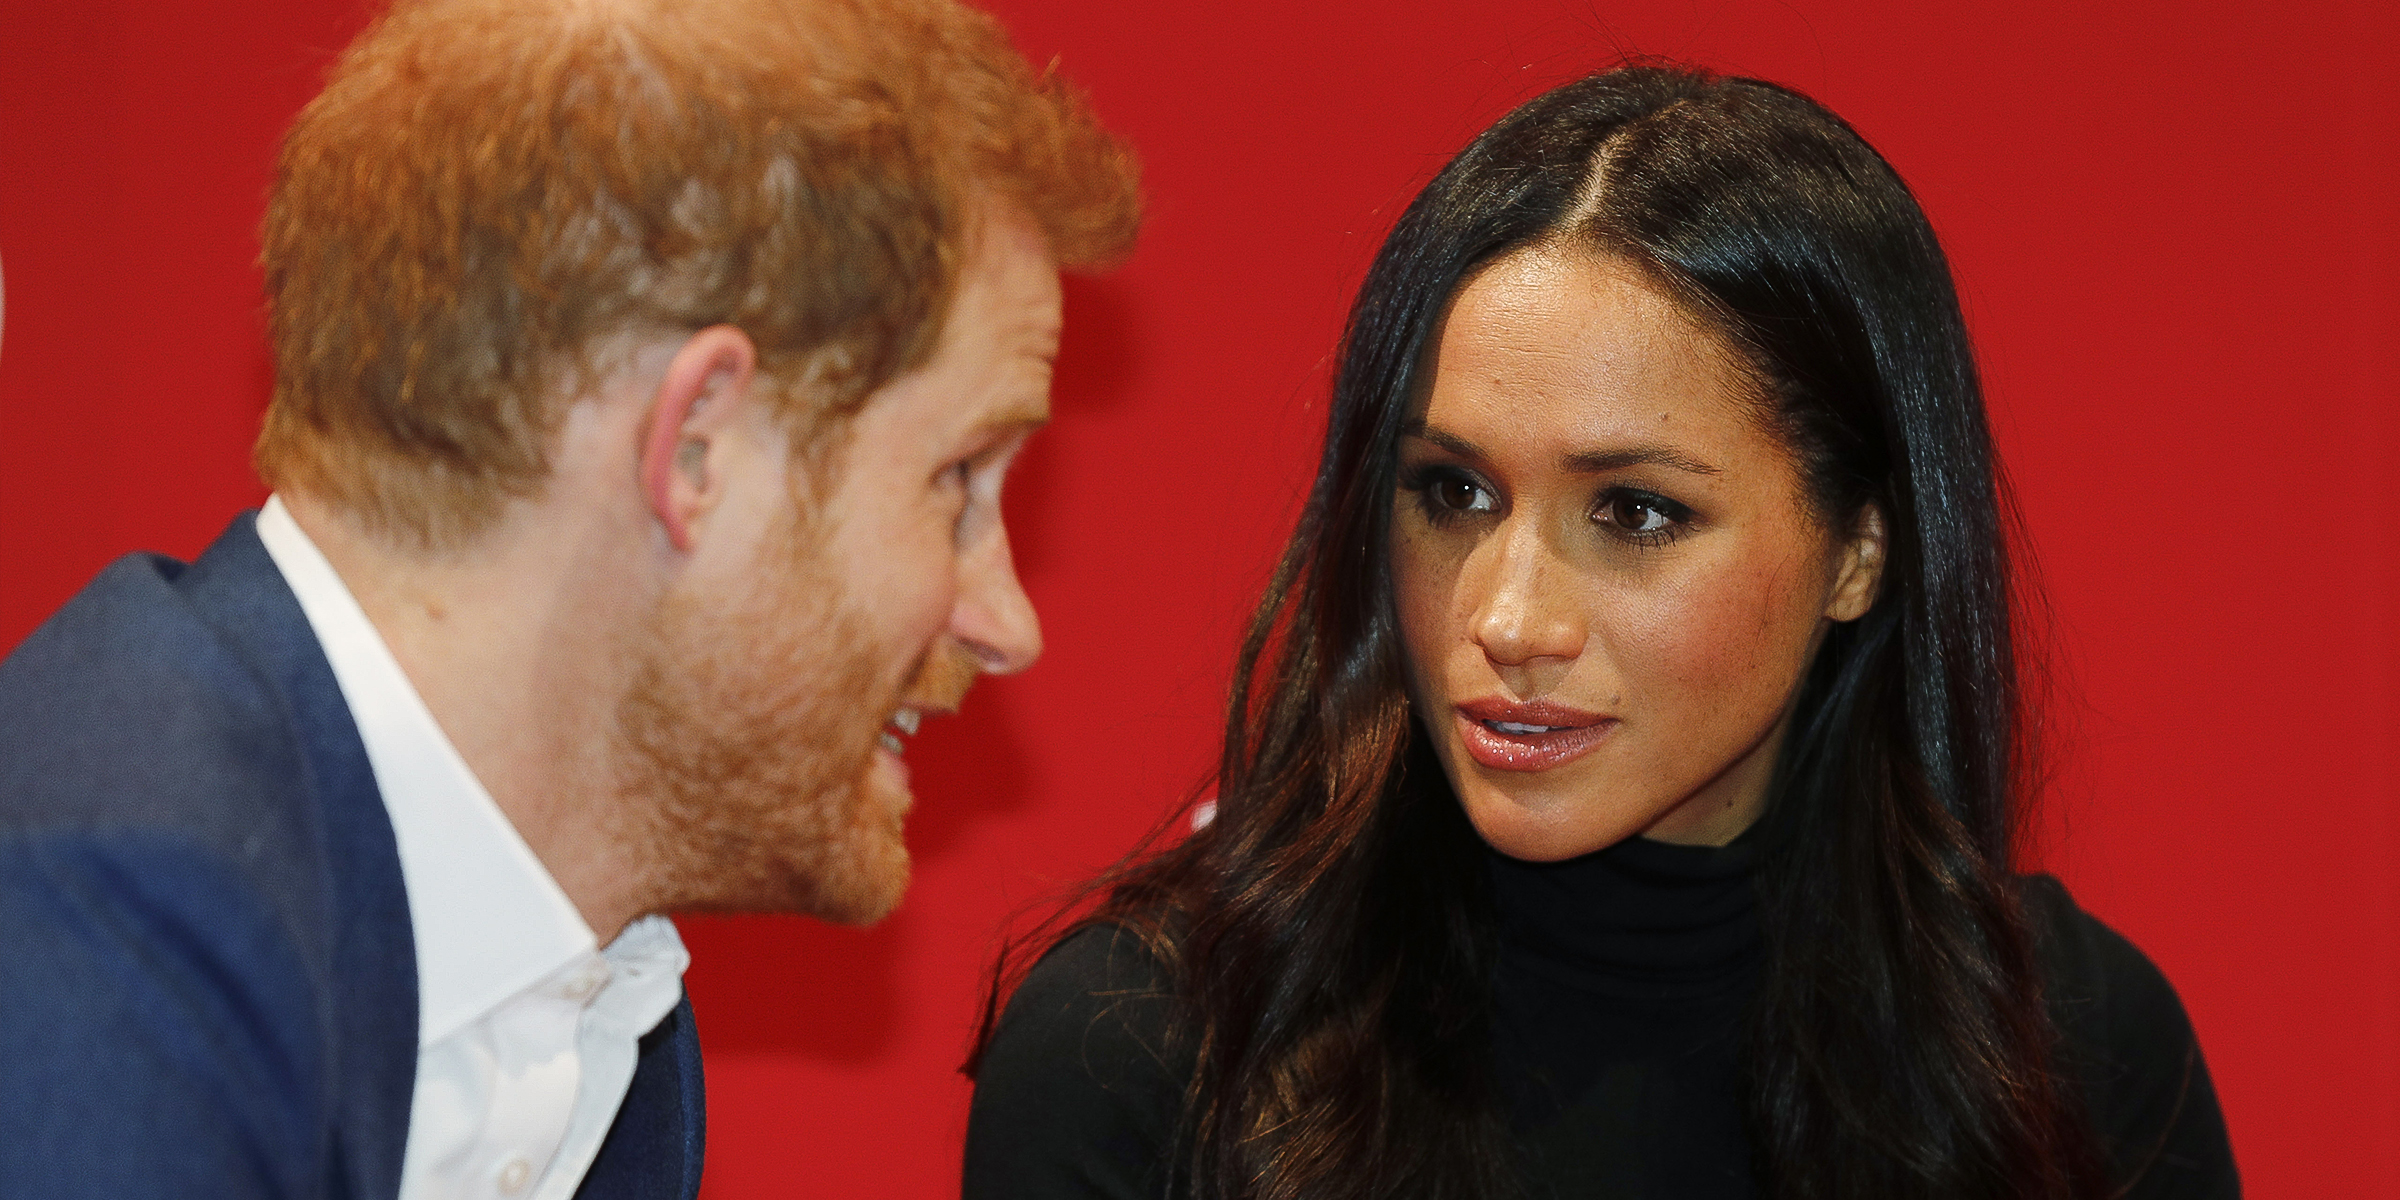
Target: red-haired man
(647, 372)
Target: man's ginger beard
(745, 747)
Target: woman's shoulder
(1079, 1089)
(2092, 971)
(1104, 956)
(1103, 993)
(2130, 1046)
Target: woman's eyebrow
(1447, 441)
(1581, 462)
(1587, 462)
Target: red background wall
(2175, 234)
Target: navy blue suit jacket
(208, 984)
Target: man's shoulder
(128, 708)
(137, 745)
(186, 711)
(201, 915)
(136, 713)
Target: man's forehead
(1004, 329)
(992, 415)
(966, 398)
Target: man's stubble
(746, 745)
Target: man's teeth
(1520, 729)
(904, 721)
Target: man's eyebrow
(1028, 415)
(1581, 462)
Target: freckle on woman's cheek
(1711, 634)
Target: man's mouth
(902, 725)
(936, 687)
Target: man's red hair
(488, 189)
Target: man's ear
(694, 408)
(1862, 567)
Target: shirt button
(515, 1175)
(585, 984)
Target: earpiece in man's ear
(696, 397)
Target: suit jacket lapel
(373, 971)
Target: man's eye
(953, 487)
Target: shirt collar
(489, 919)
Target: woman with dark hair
(1624, 767)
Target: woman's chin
(1545, 829)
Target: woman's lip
(1561, 744)
(1529, 712)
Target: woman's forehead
(1551, 342)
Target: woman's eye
(1460, 496)
(1640, 515)
(1447, 494)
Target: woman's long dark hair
(1331, 930)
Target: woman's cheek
(1423, 601)
(1715, 645)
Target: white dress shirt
(526, 1030)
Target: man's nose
(1524, 614)
(994, 618)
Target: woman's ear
(690, 414)
(1861, 571)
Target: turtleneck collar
(1639, 919)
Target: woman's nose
(1524, 613)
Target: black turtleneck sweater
(1622, 981)
(1619, 1004)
